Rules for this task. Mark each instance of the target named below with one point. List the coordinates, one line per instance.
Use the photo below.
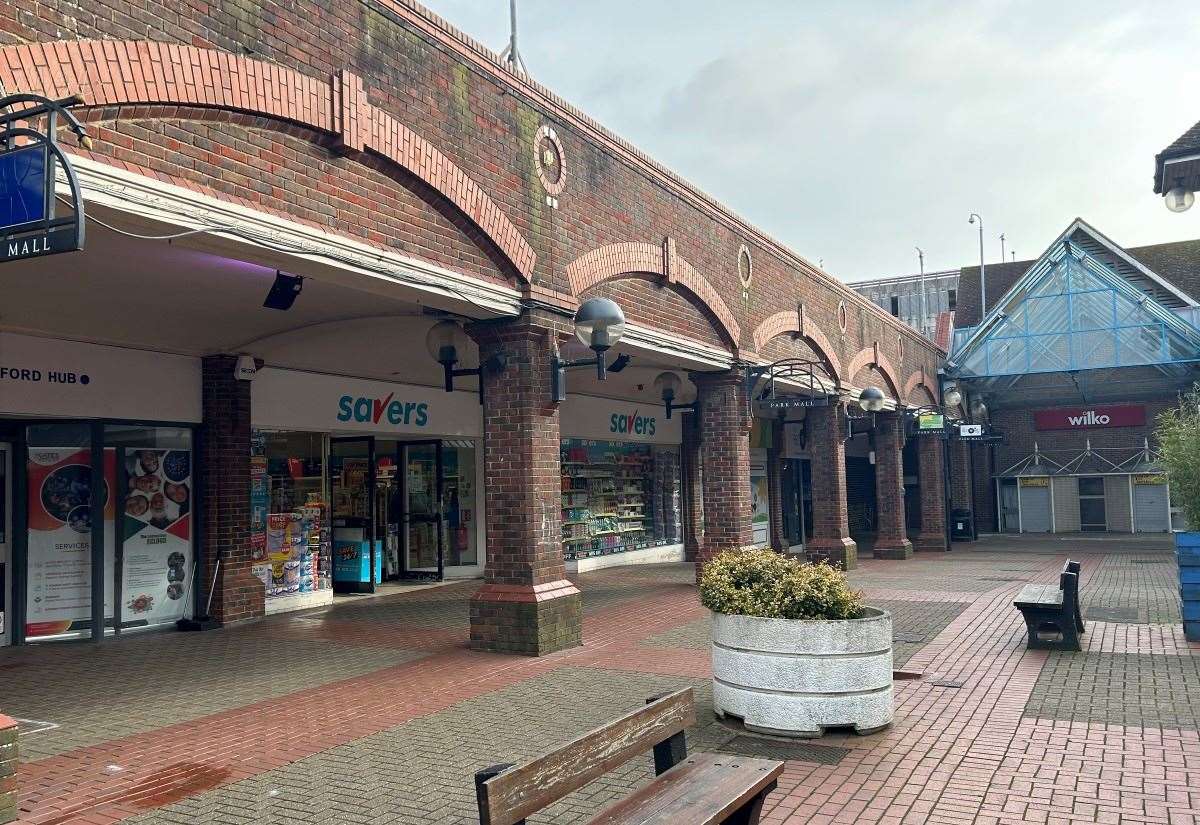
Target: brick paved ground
(373, 711)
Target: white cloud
(853, 131)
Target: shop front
(355, 482)
(98, 504)
(621, 483)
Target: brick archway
(659, 262)
(789, 322)
(921, 379)
(149, 74)
(871, 357)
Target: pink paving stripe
(181, 760)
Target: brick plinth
(8, 769)
(892, 539)
(693, 489)
(525, 606)
(933, 496)
(225, 458)
(724, 418)
(831, 520)
(775, 487)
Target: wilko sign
(1082, 418)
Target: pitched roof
(1177, 263)
(1187, 144)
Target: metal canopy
(1071, 313)
(1088, 461)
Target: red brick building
(1076, 355)
(408, 178)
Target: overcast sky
(855, 131)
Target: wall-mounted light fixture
(599, 325)
(445, 340)
(284, 291)
(871, 399)
(667, 385)
(951, 395)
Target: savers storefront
(355, 482)
(621, 483)
(97, 502)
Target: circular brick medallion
(745, 265)
(843, 321)
(549, 158)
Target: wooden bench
(697, 790)
(1053, 618)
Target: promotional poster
(157, 561)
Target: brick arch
(789, 322)
(871, 357)
(145, 73)
(920, 378)
(635, 259)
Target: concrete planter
(795, 678)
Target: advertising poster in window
(157, 560)
(59, 590)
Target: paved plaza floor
(375, 711)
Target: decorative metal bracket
(28, 158)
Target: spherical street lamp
(599, 324)
(952, 396)
(1180, 199)
(871, 399)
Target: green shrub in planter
(767, 584)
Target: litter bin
(962, 525)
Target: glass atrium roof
(1071, 312)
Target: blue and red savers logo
(631, 424)
(376, 410)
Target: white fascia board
(155, 200)
(676, 347)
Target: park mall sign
(1083, 418)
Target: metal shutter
(1035, 509)
(1150, 513)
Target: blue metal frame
(1005, 343)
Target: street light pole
(924, 310)
(982, 273)
(1001, 247)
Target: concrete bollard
(8, 770)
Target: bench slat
(1039, 594)
(516, 793)
(701, 790)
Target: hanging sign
(30, 223)
(928, 425)
(792, 402)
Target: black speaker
(284, 291)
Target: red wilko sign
(1081, 418)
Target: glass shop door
(424, 522)
(357, 555)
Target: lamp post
(924, 310)
(982, 274)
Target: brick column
(891, 541)
(8, 769)
(933, 495)
(526, 605)
(724, 418)
(775, 486)
(225, 508)
(959, 456)
(693, 515)
(831, 521)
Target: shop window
(618, 496)
(289, 514)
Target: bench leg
(749, 813)
(485, 816)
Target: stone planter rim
(870, 614)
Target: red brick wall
(525, 605)
(827, 431)
(449, 92)
(931, 452)
(724, 416)
(225, 459)
(892, 537)
(691, 460)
